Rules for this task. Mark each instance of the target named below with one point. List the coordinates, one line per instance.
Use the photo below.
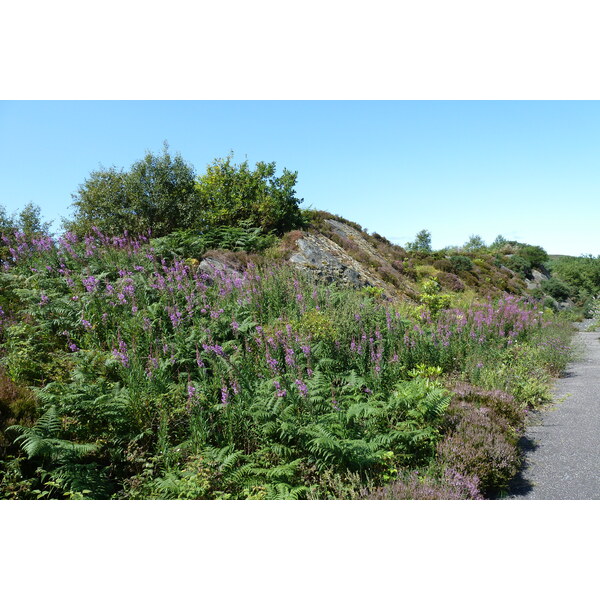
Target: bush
(161, 193)
(443, 264)
(499, 401)
(451, 281)
(557, 289)
(453, 486)
(535, 256)
(230, 194)
(461, 263)
(520, 265)
(481, 443)
(157, 193)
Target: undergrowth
(139, 373)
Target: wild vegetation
(197, 363)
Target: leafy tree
(102, 201)
(475, 244)
(229, 194)
(161, 193)
(422, 242)
(6, 222)
(536, 256)
(157, 194)
(557, 289)
(29, 220)
(163, 190)
(499, 242)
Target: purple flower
(302, 387)
(175, 315)
(218, 350)
(224, 395)
(90, 283)
(289, 357)
(121, 353)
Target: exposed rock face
(536, 279)
(214, 266)
(351, 235)
(330, 262)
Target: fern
(41, 441)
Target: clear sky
(525, 169)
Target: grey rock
(213, 266)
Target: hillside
(230, 345)
(374, 261)
(334, 250)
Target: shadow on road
(520, 486)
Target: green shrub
(229, 194)
(535, 256)
(443, 264)
(480, 444)
(519, 264)
(461, 263)
(432, 299)
(189, 244)
(557, 289)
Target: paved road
(562, 444)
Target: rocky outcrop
(536, 279)
(355, 239)
(331, 261)
(328, 261)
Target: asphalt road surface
(562, 443)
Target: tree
(161, 193)
(29, 221)
(102, 201)
(422, 242)
(157, 194)
(475, 244)
(230, 194)
(536, 256)
(162, 189)
(6, 223)
(499, 242)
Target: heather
(133, 370)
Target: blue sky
(525, 169)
